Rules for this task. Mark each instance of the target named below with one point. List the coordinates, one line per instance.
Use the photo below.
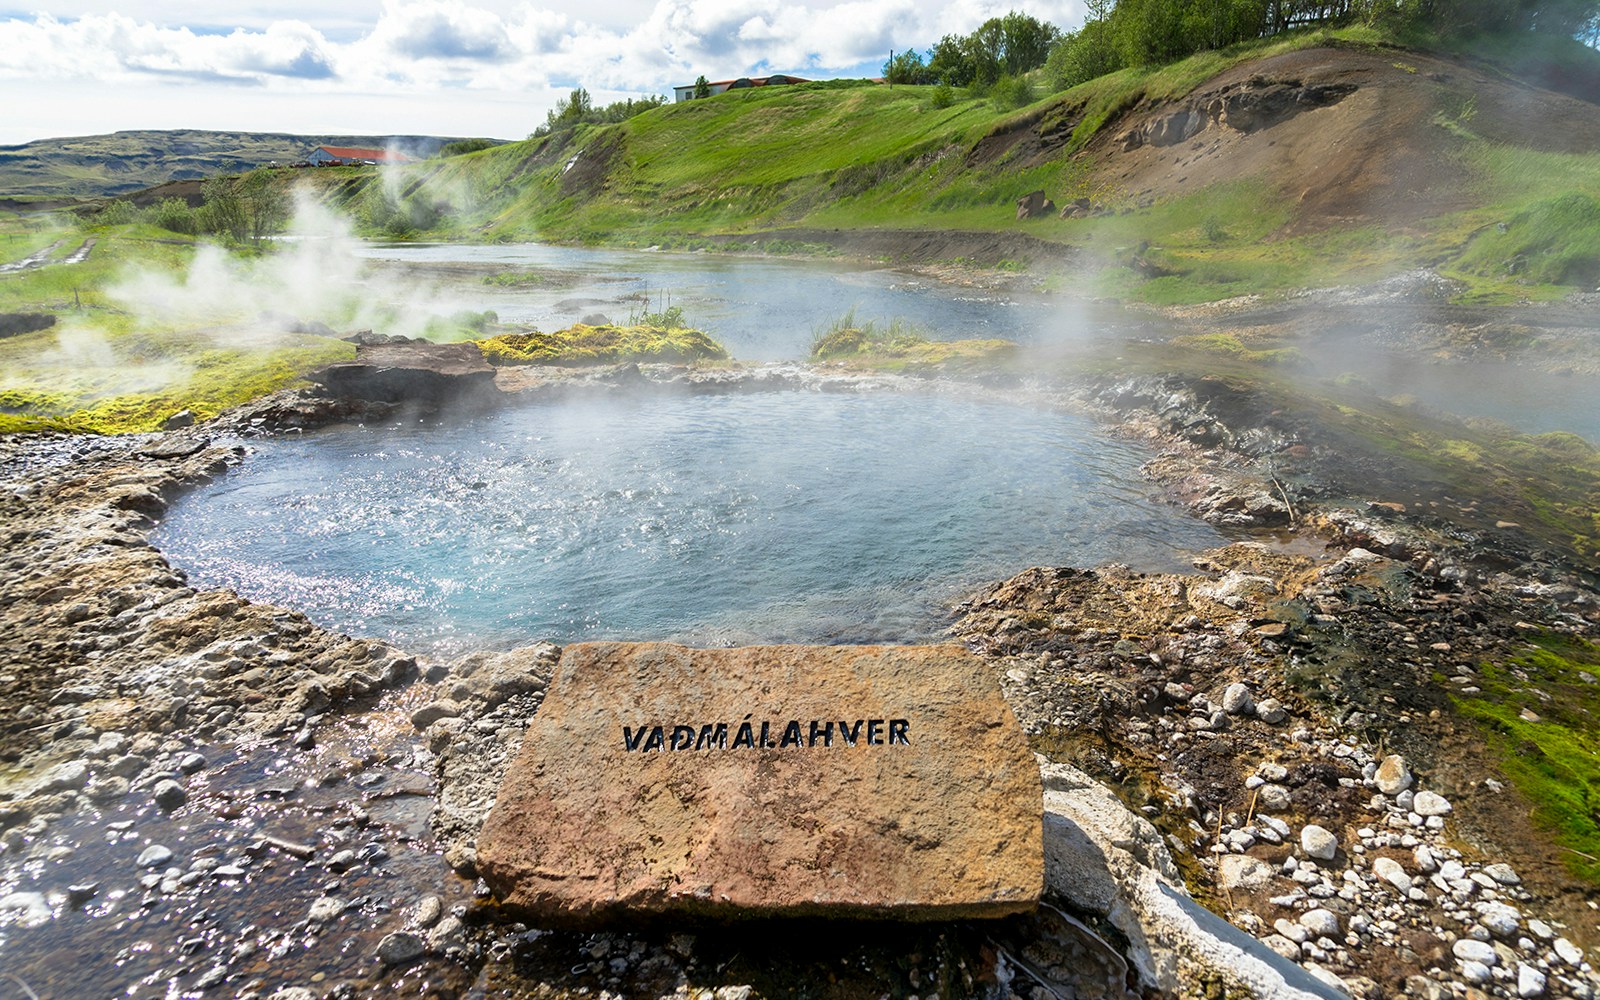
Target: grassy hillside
(100, 165)
(1432, 159)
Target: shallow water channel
(766, 517)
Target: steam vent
(872, 781)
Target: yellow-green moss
(582, 344)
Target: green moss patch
(582, 344)
(899, 347)
(1541, 714)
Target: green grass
(1541, 714)
(102, 370)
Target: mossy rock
(582, 344)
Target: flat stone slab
(843, 781)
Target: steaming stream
(774, 517)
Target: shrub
(943, 96)
(1012, 92)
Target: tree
(906, 67)
(702, 87)
(248, 208)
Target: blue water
(760, 309)
(773, 517)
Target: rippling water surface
(808, 517)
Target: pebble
(1237, 700)
(1321, 923)
(427, 911)
(1392, 776)
(1468, 950)
(1270, 711)
(325, 908)
(191, 763)
(1502, 873)
(169, 795)
(400, 947)
(1568, 952)
(1272, 797)
(1500, 919)
(1530, 981)
(1318, 842)
(1430, 804)
(1391, 872)
(154, 856)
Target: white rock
(1424, 858)
(1106, 860)
(1468, 950)
(1270, 711)
(1500, 919)
(1393, 776)
(1391, 872)
(1241, 871)
(1321, 923)
(1272, 798)
(1403, 800)
(1318, 842)
(1502, 873)
(1283, 946)
(1541, 930)
(1430, 804)
(1475, 972)
(30, 909)
(1293, 931)
(1237, 700)
(1530, 981)
(154, 856)
(1569, 952)
(1452, 870)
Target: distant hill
(100, 165)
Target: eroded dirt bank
(210, 797)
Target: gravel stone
(1318, 842)
(1430, 804)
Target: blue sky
(437, 67)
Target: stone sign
(871, 781)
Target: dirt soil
(1376, 155)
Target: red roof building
(337, 155)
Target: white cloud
(501, 50)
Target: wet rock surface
(208, 797)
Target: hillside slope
(100, 165)
(1297, 163)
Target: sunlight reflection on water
(782, 517)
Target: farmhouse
(333, 156)
(687, 93)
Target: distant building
(333, 156)
(687, 93)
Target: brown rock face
(870, 781)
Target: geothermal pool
(767, 517)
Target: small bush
(1011, 93)
(943, 96)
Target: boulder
(1104, 860)
(767, 781)
(1034, 205)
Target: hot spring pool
(768, 517)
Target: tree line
(577, 108)
(1121, 33)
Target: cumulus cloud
(535, 49)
